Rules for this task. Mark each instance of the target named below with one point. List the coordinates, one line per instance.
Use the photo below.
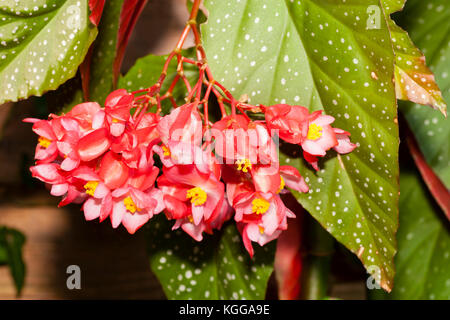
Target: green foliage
(103, 53)
(11, 244)
(319, 54)
(431, 129)
(101, 69)
(216, 268)
(414, 81)
(423, 245)
(42, 45)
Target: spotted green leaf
(321, 54)
(423, 245)
(42, 43)
(429, 27)
(216, 268)
(414, 81)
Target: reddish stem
(434, 184)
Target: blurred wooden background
(113, 263)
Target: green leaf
(102, 55)
(431, 129)
(319, 54)
(42, 44)
(218, 267)
(11, 242)
(101, 77)
(423, 245)
(414, 81)
(3, 255)
(147, 70)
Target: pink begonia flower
(266, 211)
(291, 178)
(249, 146)
(313, 132)
(134, 197)
(192, 190)
(63, 183)
(289, 122)
(99, 202)
(133, 208)
(117, 112)
(251, 232)
(183, 124)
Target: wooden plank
(113, 264)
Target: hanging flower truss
(104, 157)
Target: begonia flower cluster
(104, 157)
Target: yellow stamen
(90, 187)
(197, 196)
(114, 120)
(282, 184)
(247, 165)
(130, 205)
(44, 142)
(314, 131)
(166, 151)
(191, 219)
(260, 206)
(261, 229)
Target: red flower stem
(154, 90)
(174, 103)
(139, 114)
(158, 109)
(220, 99)
(186, 83)
(436, 187)
(230, 96)
(225, 91)
(191, 94)
(180, 72)
(199, 87)
(201, 55)
(242, 111)
(190, 61)
(139, 91)
(205, 105)
(172, 86)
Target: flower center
(166, 151)
(314, 132)
(197, 196)
(260, 206)
(261, 229)
(130, 205)
(244, 165)
(114, 120)
(90, 187)
(282, 184)
(44, 142)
